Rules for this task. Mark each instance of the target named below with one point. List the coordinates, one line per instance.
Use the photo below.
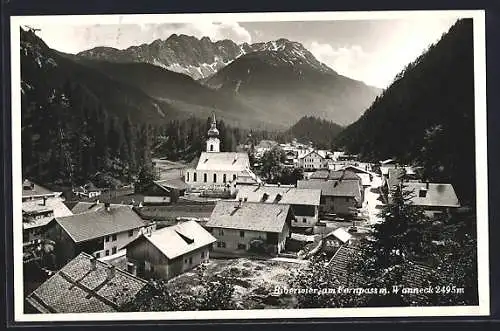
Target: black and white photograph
(257, 165)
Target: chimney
(279, 184)
(110, 272)
(93, 263)
(107, 206)
(131, 268)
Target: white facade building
(313, 161)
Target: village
(96, 249)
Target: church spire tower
(213, 142)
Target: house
(336, 238)
(215, 170)
(250, 226)
(88, 191)
(434, 198)
(103, 232)
(84, 206)
(165, 191)
(32, 191)
(337, 197)
(170, 251)
(304, 202)
(85, 285)
(312, 161)
(38, 213)
(362, 172)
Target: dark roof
(345, 188)
(171, 212)
(320, 174)
(175, 183)
(99, 223)
(78, 289)
(263, 217)
(344, 175)
(84, 206)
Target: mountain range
(274, 83)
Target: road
(372, 203)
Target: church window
(211, 148)
(205, 178)
(215, 178)
(194, 176)
(187, 176)
(224, 178)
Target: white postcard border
(483, 309)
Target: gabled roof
(99, 223)
(341, 235)
(284, 195)
(174, 183)
(177, 240)
(37, 190)
(344, 175)
(263, 217)
(437, 195)
(56, 205)
(76, 288)
(85, 207)
(310, 153)
(345, 188)
(226, 161)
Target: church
(216, 170)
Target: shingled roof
(80, 288)
(344, 188)
(99, 223)
(177, 240)
(31, 189)
(263, 217)
(276, 194)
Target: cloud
(347, 60)
(76, 38)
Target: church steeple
(213, 142)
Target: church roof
(224, 161)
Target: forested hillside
(309, 128)
(426, 116)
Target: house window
(187, 176)
(304, 220)
(202, 255)
(131, 233)
(221, 244)
(234, 177)
(194, 176)
(185, 261)
(107, 252)
(107, 238)
(113, 250)
(215, 178)
(190, 260)
(221, 232)
(211, 148)
(224, 178)
(242, 246)
(98, 255)
(242, 234)
(114, 237)
(205, 178)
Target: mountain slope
(45, 70)
(320, 132)
(290, 88)
(427, 115)
(180, 91)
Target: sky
(372, 51)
